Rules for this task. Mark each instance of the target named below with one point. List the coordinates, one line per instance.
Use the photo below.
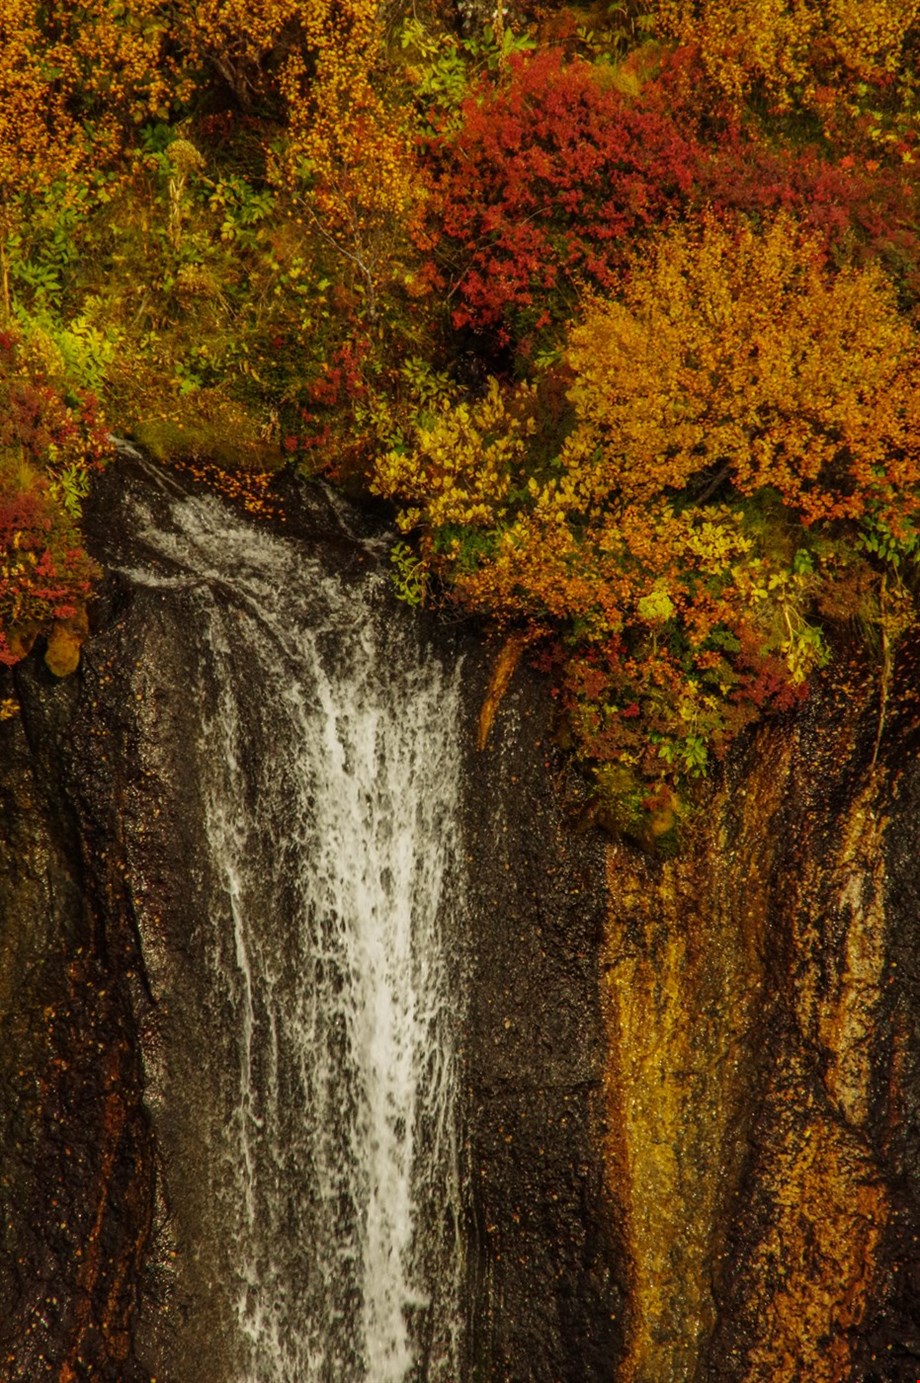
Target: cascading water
(328, 783)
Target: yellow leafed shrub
(736, 351)
(786, 46)
(459, 472)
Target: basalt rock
(690, 1104)
(75, 1139)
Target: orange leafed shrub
(70, 78)
(737, 352)
(731, 363)
(550, 175)
(245, 41)
(321, 64)
(358, 151)
(785, 46)
(36, 134)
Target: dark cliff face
(74, 1136)
(691, 1088)
(548, 1292)
(103, 913)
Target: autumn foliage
(548, 178)
(72, 79)
(76, 80)
(49, 446)
(731, 411)
(623, 322)
(855, 210)
(788, 48)
(551, 175)
(318, 66)
(734, 358)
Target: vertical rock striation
(77, 1154)
(761, 1049)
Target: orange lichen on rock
(507, 659)
(841, 992)
(809, 1278)
(95, 1263)
(743, 986)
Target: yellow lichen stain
(846, 1016)
(509, 655)
(688, 1000)
(810, 1275)
(682, 994)
(65, 640)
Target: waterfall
(327, 780)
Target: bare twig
(887, 667)
(354, 257)
(5, 306)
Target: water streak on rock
(328, 782)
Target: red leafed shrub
(851, 208)
(323, 427)
(553, 174)
(550, 173)
(45, 574)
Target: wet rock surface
(75, 1141)
(548, 1279)
(691, 1136)
(103, 900)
